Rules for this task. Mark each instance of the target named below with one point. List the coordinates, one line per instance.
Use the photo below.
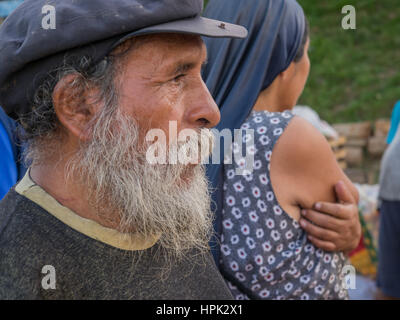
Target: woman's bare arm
(304, 171)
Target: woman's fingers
(323, 220)
(337, 210)
(324, 245)
(318, 232)
(337, 223)
(343, 193)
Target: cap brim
(198, 26)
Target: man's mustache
(192, 146)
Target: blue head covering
(238, 70)
(394, 123)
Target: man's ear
(75, 106)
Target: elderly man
(93, 218)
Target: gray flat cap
(36, 36)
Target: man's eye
(177, 78)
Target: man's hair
(41, 127)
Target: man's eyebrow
(182, 67)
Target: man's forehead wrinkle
(160, 56)
(147, 64)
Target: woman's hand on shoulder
(341, 218)
(304, 172)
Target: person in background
(264, 252)
(8, 168)
(7, 6)
(388, 279)
(394, 123)
(12, 168)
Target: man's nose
(204, 112)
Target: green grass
(355, 74)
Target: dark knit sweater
(31, 238)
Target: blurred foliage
(355, 73)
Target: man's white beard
(148, 199)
